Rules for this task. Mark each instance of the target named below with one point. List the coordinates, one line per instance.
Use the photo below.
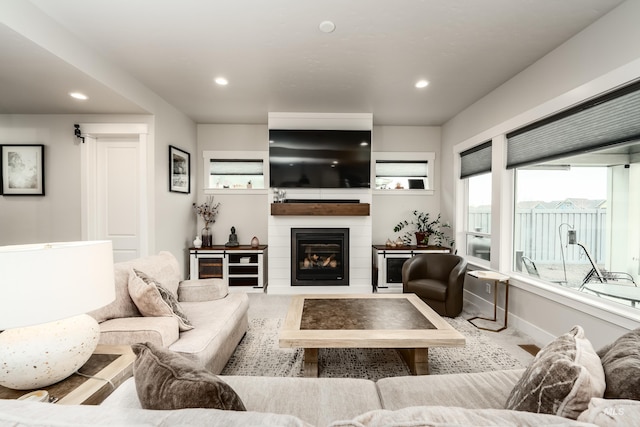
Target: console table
(388, 261)
(241, 266)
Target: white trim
(88, 155)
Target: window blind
(476, 160)
(605, 121)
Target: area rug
(258, 354)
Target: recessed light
(327, 27)
(78, 95)
(422, 84)
(364, 143)
(221, 81)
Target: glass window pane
(479, 204)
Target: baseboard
(475, 303)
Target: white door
(114, 192)
(118, 206)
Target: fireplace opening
(320, 256)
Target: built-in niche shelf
(321, 209)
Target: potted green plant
(425, 229)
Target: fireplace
(319, 256)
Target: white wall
(601, 57)
(387, 210)
(56, 216)
(249, 212)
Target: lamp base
(41, 355)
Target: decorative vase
(197, 242)
(255, 242)
(422, 238)
(207, 237)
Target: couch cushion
(166, 380)
(562, 378)
(153, 300)
(162, 331)
(36, 414)
(218, 327)
(439, 416)
(202, 290)
(163, 267)
(621, 363)
(612, 412)
(318, 401)
(478, 390)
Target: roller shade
(605, 121)
(476, 160)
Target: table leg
(417, 359)
(311, 362)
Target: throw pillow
(166, 380)
(621, 363)
(562, 378)
(154, 300)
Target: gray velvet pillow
(562, 378)
(167, 380)
(154, 300)
(621, 363)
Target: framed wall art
(179, 170)
(22, 170)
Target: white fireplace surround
(360, 241)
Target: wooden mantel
(321, 209)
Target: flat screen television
(319, 158)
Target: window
(478, 224)
(576, 222)
(232, 170)
(402, 172)
(475, 169)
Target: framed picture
(179, 170)
(22, 170)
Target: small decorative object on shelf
(233, 239)
(255, 242)
(197, 242)
(208, 211)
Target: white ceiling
(276, 58)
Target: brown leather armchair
(438, 279)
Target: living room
(601, 57)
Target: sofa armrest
(202, 290)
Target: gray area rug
(258, 354)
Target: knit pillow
(562, 378)
(166, 380)
(154, 300)
(621, 363)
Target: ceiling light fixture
(78, 95)
(327, 27)
(422, 84)
(221, 81)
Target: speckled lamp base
(41, 355)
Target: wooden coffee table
(400, 321)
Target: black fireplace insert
(319, 256)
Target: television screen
(319, 158)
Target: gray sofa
(431, 400)
(219, 318)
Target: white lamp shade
(46, 282)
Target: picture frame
(179, 170)
(22, 169)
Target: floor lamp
(47, 289)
